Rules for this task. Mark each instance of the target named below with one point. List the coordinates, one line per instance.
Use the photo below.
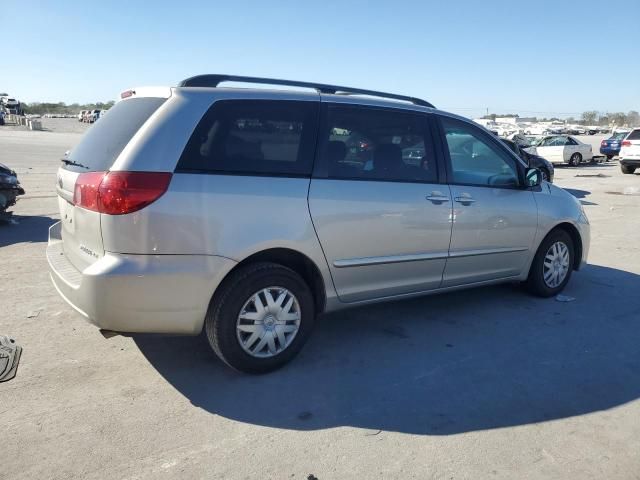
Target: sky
(534, 58)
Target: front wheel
(552, 265)
(260, 318)
(627, 169)
(575, 160)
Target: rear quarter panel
(233, 216)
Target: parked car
(537, 129)
(630, 152)
(10, 189)
(244, 212)
(610, 147)
(534, 161)
(576, 130)
(81, 115)
(562, 149)
(93, 115)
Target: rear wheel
(575, 160)
(552, 266)
(260, 318)
(627, 169)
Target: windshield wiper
(72, 163)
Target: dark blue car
(611, 146)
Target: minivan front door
(494, 221)
(381, 216)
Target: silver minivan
(247, 212)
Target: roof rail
(213, 80)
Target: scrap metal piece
(10, 353)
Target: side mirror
(533, 177)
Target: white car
(630, 152)
(536, 130)
(562, 149)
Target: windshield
(103, 142)
(619, 135)
(534, 141)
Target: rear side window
(262, 137)
(106, 139)
(635, 135)
(366, 143)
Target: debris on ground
(564, 298)
(10, 353)
(627, 191)
(33, 314)
(10, 188)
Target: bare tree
(618, 118)
(589, 118)
(633, 118)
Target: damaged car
(10, 188)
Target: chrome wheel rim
(556, 264)
(268, 322)
(575, 159)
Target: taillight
(118, 193)
(603, 143)
(626, 143)
(85, 192)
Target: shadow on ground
(580, 195)
(20, 229)
(472, 360)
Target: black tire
(575, 160)
(535, 282)
(627, 169)
(609, 157)
(225, 306)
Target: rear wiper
(72, 163)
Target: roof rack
(213, 80)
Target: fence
(22, 120)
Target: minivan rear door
(98, 149)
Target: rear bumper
(630, 162)
(609, 151)
(138, 293)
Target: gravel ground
(481, 383)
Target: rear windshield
(619, 135)
(635, 135)
(106, 138)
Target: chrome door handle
(465, 199)
(437, 198)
